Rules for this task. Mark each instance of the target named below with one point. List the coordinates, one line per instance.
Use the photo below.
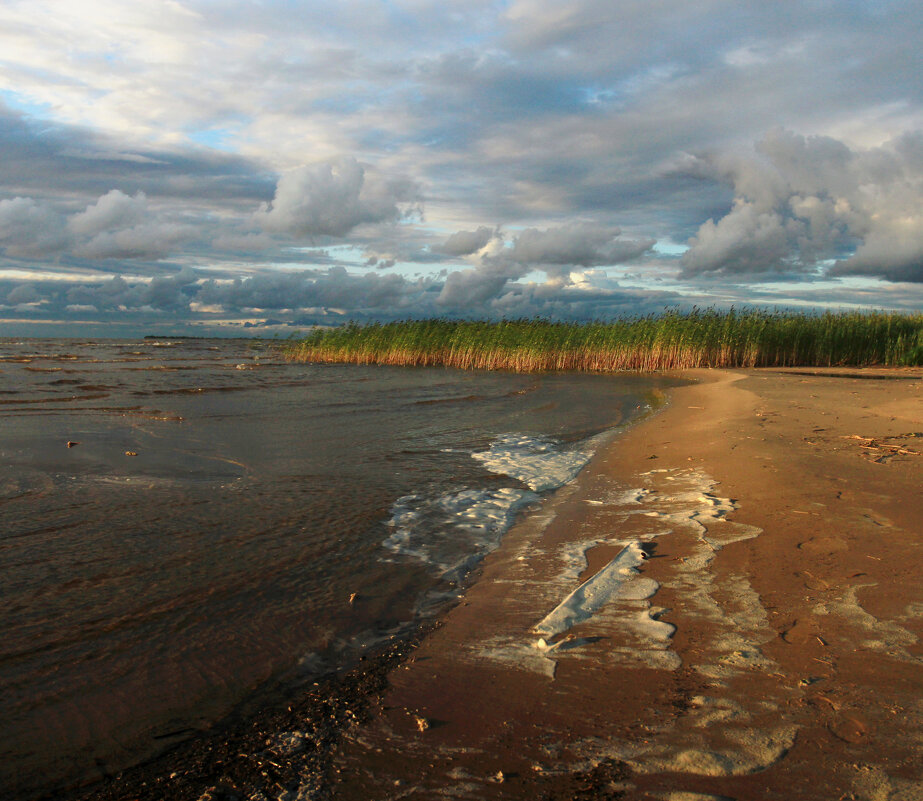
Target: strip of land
(753, 630)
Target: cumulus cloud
(119, 226)
(163, 293)
(893, 251)
(116, 226)
(380, 264)
(556, 251)
(331, 198)
(470, 289)
(578, 244)
(153, 240)
(746, 240)
(802, 201)
(115, 209)
(464, 243)
(29, 228)
(327, 199)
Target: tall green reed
(699, 338)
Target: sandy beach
(746, 625)
(765, 644)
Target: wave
(451, 533)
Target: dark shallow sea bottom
(196, 536)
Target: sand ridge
(762, 639)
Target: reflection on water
(183, 522)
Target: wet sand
(777, 655)
(757, 637)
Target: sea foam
(537, 462)
(607, 584)
(452, 532)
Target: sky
(255, 167)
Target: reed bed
(674, 340)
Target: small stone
(499, 778)
(71, 443)
(131, 453)
(422, 723)
(352, 597)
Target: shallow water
(226, 521)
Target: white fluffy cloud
(115, 209)
(331, 198)
(118, 226)
(746, 240)
(801, 201)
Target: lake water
(223, 522)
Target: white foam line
(587, 599)
(536, 461)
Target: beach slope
(726, 604)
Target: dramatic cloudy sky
(256, 166)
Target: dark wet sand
(795, 670)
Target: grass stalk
(674, 340)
